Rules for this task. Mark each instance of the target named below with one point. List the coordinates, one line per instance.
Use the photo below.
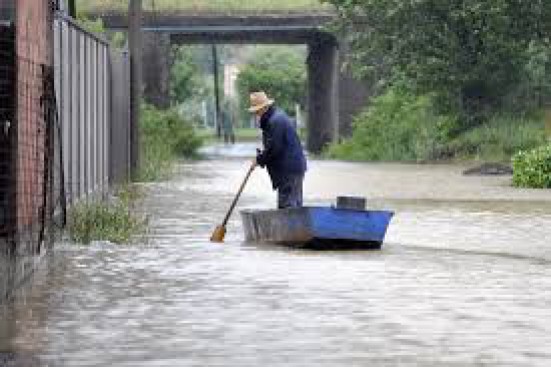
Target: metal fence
(93, 93)
(81, 63)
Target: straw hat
(259, 100)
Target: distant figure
(282, 154)
(227, 125)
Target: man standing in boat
(282, 154)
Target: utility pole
(217, 116)
(135, 49)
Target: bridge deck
(186, 21)
(218, 28)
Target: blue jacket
(282, 155)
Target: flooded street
(463, 279)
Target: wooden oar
(220, 231)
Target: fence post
(135, 48)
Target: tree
(470, 52)
(280, 72)
(185, 77)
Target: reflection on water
(463, 279)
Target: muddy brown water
(463, 279)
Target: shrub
(397, 126)
(402, 126)
(165, 136)
(533, 168)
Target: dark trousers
(289, 192)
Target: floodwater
(463, 279)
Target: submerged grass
(499, 139)
(114, 220)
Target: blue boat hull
(317, 227)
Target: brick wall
(33, 32)
(22, 158)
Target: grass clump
(498, 139)
(532, 169)
(164, 137)
(109, 220)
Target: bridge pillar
(157, 60)
(353, 93)
(323, 116)
(353, 97)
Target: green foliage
(223, 6)
(185, 81)
(119, 40)
(485, 64)
(112, 221)
(280, 72)
(397, 126)
(401, 126)
(471, 52)
(97, 26)
(164, 136)
(498, 139)
(534, 89)
(91, 25)
(533, 168)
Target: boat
(315, 227)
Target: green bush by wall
(533, 168)
(164, 136)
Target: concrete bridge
(333, 95)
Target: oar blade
(218, 234)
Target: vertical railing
(93, 98)
(119, 132)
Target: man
(282, 154)
(227, 125)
